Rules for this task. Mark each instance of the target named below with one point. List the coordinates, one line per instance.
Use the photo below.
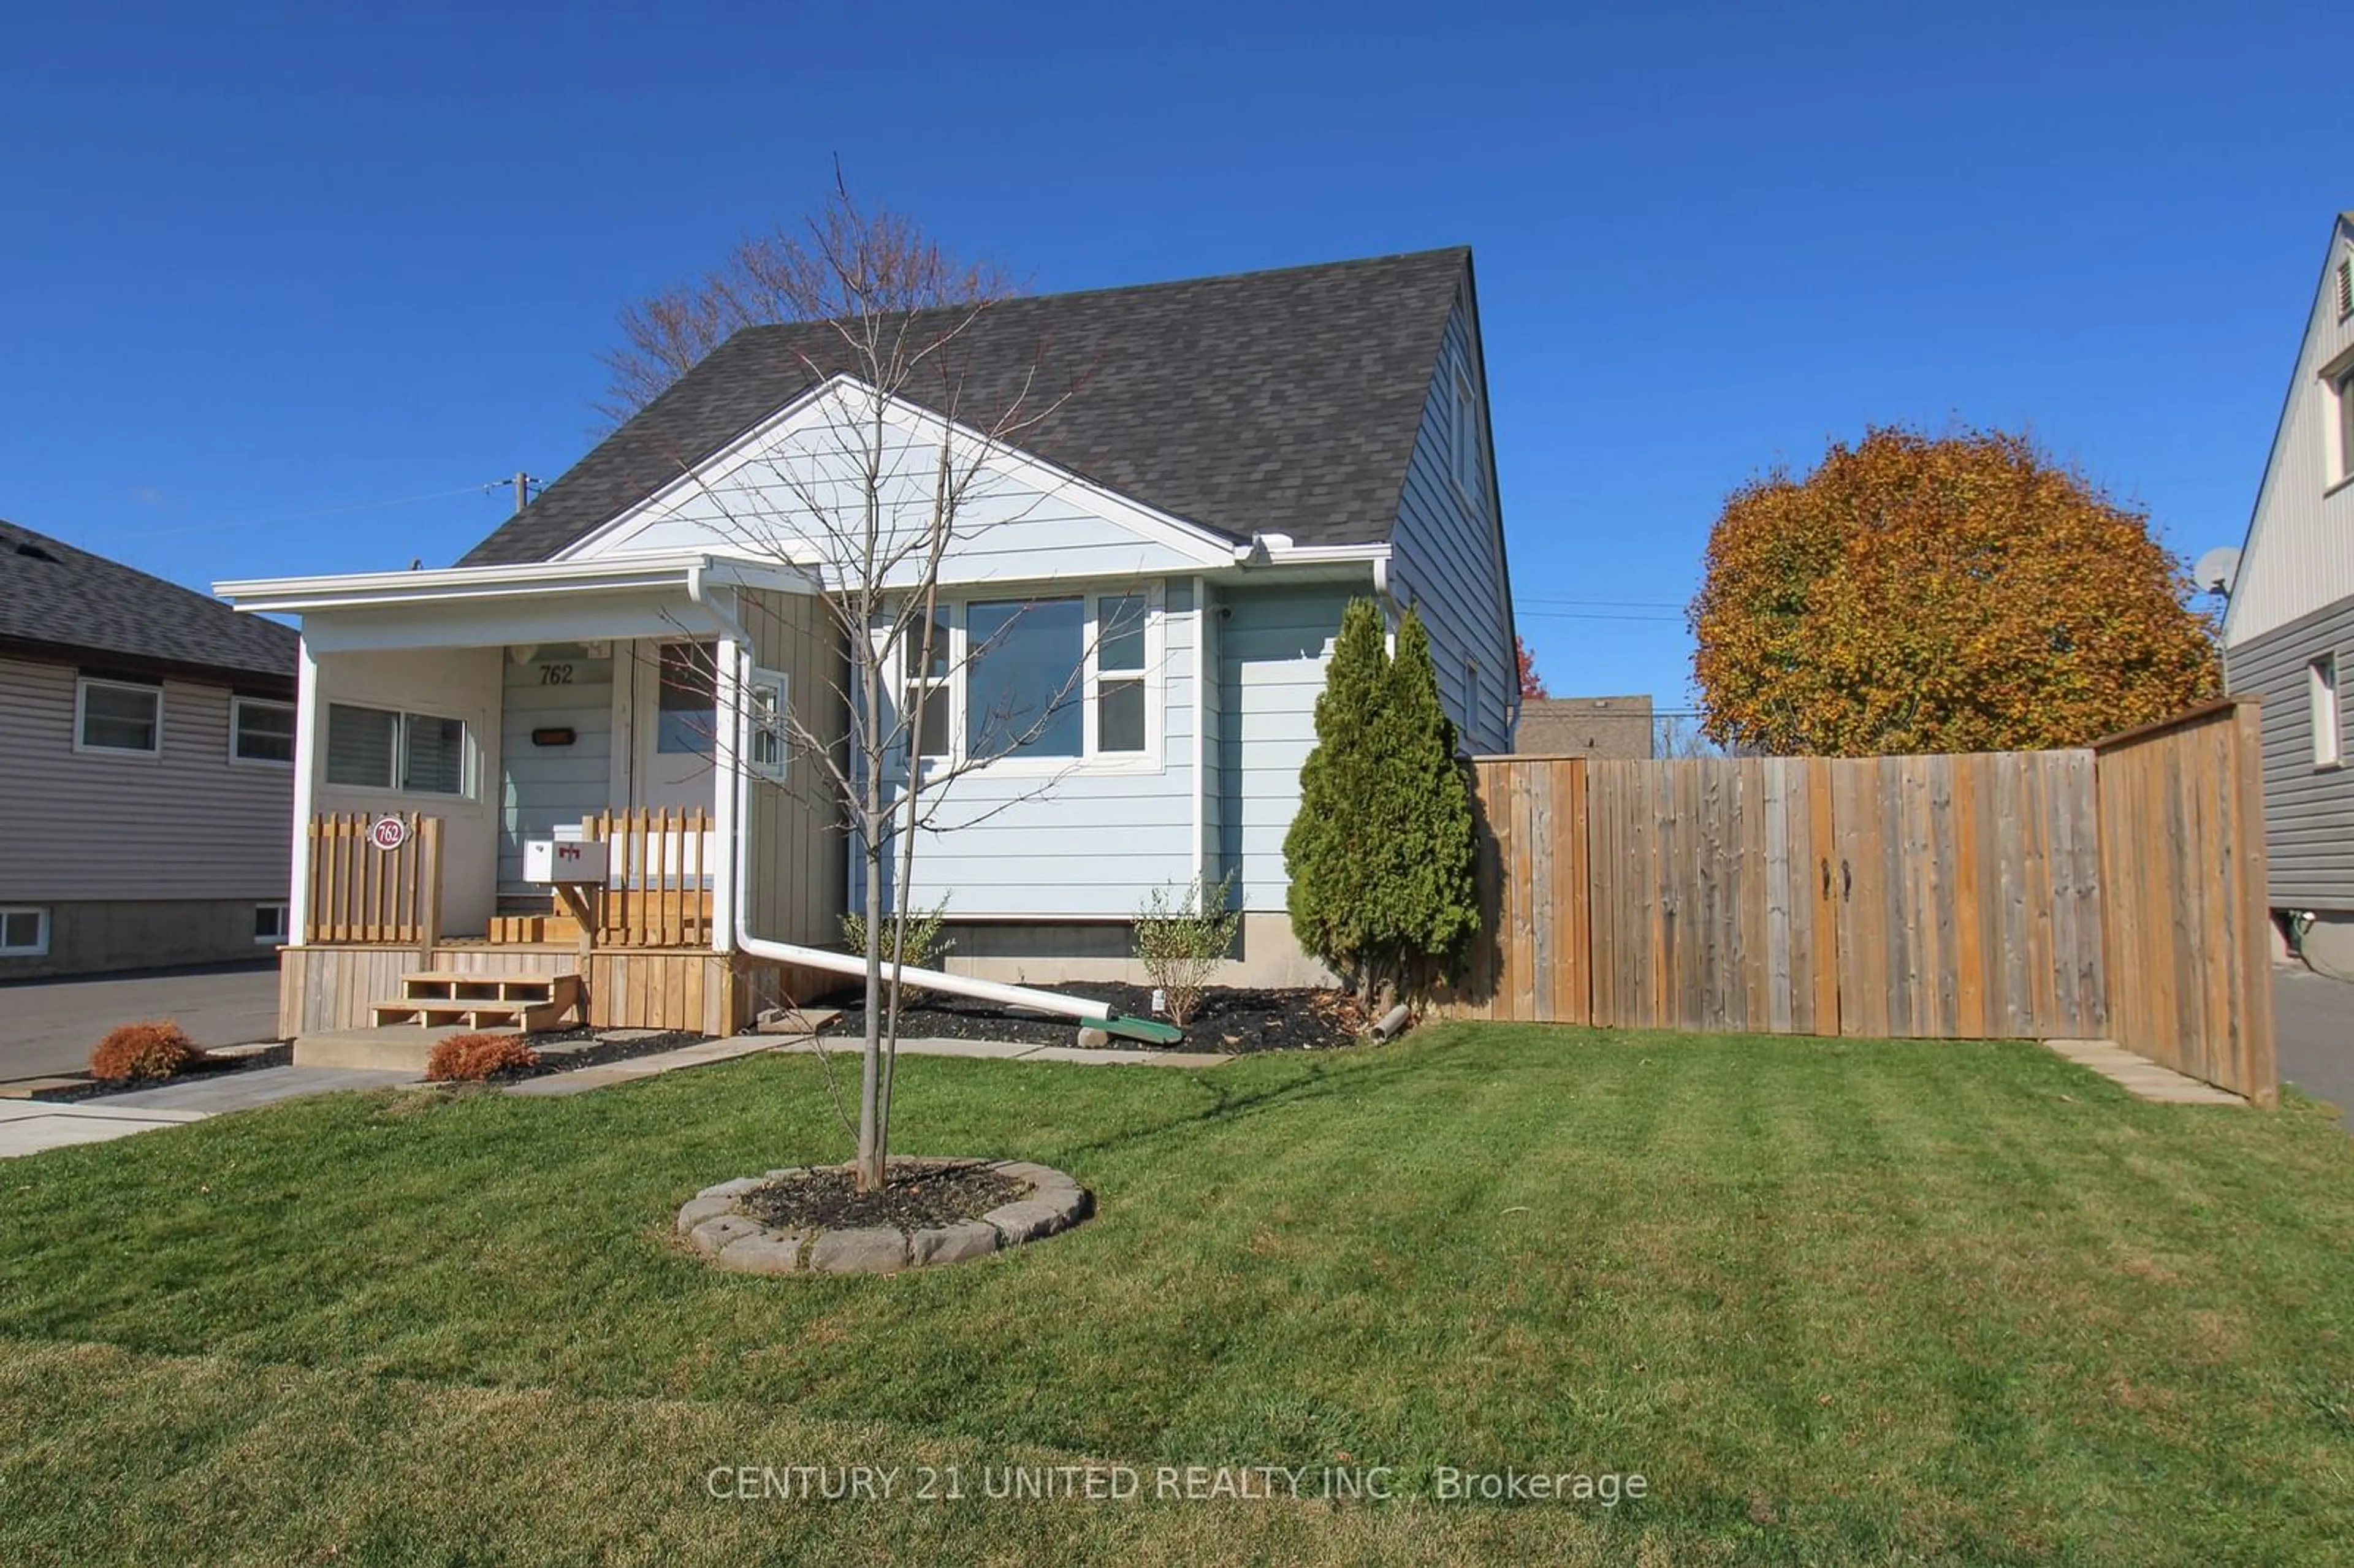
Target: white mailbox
(564, 861)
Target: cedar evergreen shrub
(1382, 850)
(156, 1050)
(471, 1058)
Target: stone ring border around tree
(716, 1224)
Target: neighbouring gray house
(2288, 633)
(1154, 570)
(146, 755)
(1612, 728)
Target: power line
(1597, 615)
(325, 511)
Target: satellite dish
(2216, 569)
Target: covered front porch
(627, 717)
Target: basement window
(24, 932)
(2321, 698)
(269, 925)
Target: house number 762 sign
(388, 832)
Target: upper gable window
(2338, 381)
(1466, 439)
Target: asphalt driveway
(2313, 1020)
(48, 1027)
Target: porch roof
(687, 573)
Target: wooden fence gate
(2112, 891)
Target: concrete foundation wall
(98, 934)
(1265, 956)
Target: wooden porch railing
(362, 892)
(658, 891)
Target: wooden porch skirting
(326, 987)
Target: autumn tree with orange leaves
(1934, 595)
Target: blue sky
(257, 275)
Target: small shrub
(928, 941)
(1181, 942)
(471, 1058)
(156, 1050)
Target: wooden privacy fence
(2183, 863)
(658, 888)
(2117, 891)
(361, 891)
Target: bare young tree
(782, 276)
(871, 495)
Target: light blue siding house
(1154, 566)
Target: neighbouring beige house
(1618, 728)
(146, 755)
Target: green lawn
(1836, 1301)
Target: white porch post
(728, 792)
(306, 769)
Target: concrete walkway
(2141, 1076)
(580, 1080)
(1003, 1051)
(28, 1127)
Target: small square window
(261, 731)
(2321, 697)
(116, 715)
(24, 932)
(269, 925)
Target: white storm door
(675, 723)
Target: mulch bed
(915, 1197)
(1233, 1021)
(99, 1088)
(599, 1054)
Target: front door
(677, 705)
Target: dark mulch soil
(1233, 1021)
(598, 1053)
(94, 1089)
(913, 1197)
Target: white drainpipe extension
(850, 964)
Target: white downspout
(740, 920)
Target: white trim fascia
(1202, 545)
(683, 571)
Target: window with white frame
(383, 749)
(269, 925)
(1025, 666)
(124, 716)
(2321, 697)
(1465, 442)
(768, 745)
(260, 731)
(2341, 396)
(1048, 680)
(928, 683)
(1120, 710)
(24, 931)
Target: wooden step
(560, 929)
(529, 1018)
(432, 998)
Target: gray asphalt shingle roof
(1280, 402)
(54, 595)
